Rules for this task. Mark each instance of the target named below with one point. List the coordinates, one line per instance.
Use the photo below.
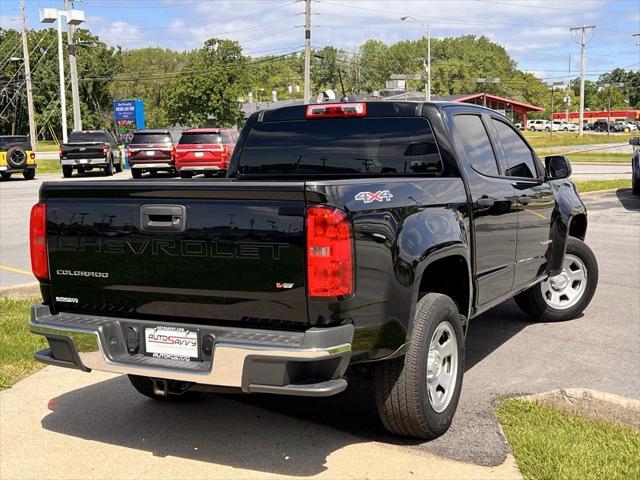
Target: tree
(147, 74)
(209, 86)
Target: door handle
(485, 201)
(163, 218)
(524, 200)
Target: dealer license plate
(172, 343)
(150, 153)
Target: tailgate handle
(163, 218)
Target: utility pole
(27, 76)
(583, 44)
(552, 85)
(75, 95)
(307, 51)
(568, 101)
(609, 86)
(428, 62)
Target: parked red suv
(151, 151)
(204, 150)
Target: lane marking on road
(16, 270)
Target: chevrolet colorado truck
(89, 149)
(344, 234)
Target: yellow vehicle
(17, 156)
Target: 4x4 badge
(379, 196)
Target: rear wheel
(29, 174)
(635, 185)
(67, 171)
(145, 386)
(119, 167)
(417, 395)
(5, 175)
(186, 174)
(136, 173)
(564, 296)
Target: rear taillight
(32, 156)
(60, 152)
(128, 153)
(38, 241)
(337, 110)
(329, 253)
(105, 150)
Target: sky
(534, 32)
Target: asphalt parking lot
(506, 354)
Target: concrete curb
(25, 290)
(578, 393)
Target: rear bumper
(168, 165)
(7, 169)
(310, 363)
(83, 162)
(198, 168)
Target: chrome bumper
(208, 168)
(82, 162)
(152, 166)
(251, 359)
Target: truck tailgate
(218, 252)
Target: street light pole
(484, 82)
(552, 84)
(427, 64)
(63, 100)
(75, 95)
(72, 17)
(27, 78)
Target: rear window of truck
(88, 137)
(199, 138)
(151, 138)
(341, 146)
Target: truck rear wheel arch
(578, 226)
(448, 276)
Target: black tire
(29, 174)
(534, 304)
(186, 174)
(635, 185)
(119, 167)
(144, 385)
(108, 170)
(16, 157)
(67, 171)
(400, 385)
(136, 173)
(5, 175)
(547, 129)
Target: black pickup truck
(345, 234)
(90, 149)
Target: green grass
(595, 157)
(561, 139)
(17, 344)
(49, 166)
(551, 444)
(47, 146)
(584, 186)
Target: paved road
(99, 417)
(601, 171)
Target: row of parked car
(600, 125)
(204, 151)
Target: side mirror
(634, 141)
(557, 167)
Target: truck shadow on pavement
(280, 434)
(628, 200)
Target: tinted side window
(520, 161)
(475, 139)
